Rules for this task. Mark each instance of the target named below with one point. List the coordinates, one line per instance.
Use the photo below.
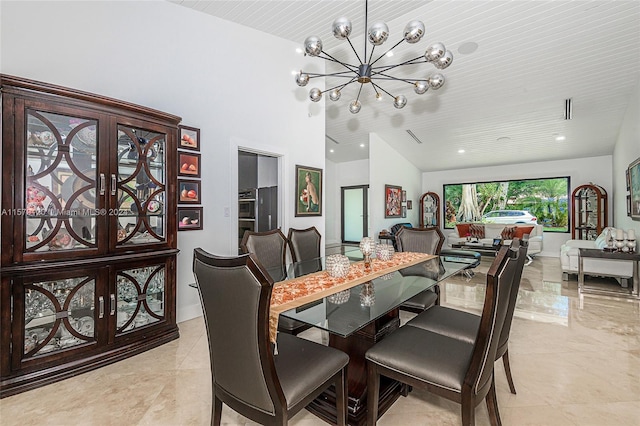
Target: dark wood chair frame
(291, 236)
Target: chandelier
(365, 72)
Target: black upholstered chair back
(235, 295)
(270, 248)
(304, 243)
(513, 296)
(420, 240)
(499, 281)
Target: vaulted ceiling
(503, 102)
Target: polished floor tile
(575, 361)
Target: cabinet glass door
(58, 315)
(61, 209)
(140, 187)
(140, 295)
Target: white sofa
(494, 230)
(593, 267)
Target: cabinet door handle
(113, 184)
(101, 304)
(113, 304)
(103, 183)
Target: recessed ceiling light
(390, 53)
(461, 151)
(361, 145)
(330, 150)
(560, 138)
(298, 50)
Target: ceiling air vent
(414, 136)
(568, 109)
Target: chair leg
(341, 398)
(492, 404)
(507, 370)
(373, 392)
(437, 291)
(468, 412)
(216, 410)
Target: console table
(633, 291)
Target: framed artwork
(188, 191)
(392, 201)
(404, 196)
(627, 180)
(188, 164)
(308, 191)
(409, 204)
(189, 138)
(189, 218)
(634, 181)
(404, 211)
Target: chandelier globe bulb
(436, 81)
(413, 32)
(341, 28)
(302, 79)
(435, 52)
(354, 106)
(378, 33)
(313, 46)
(315, 94)
(334, 95)
(420, 87)
(445, 61)
(400, 101)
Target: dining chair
(451, 368)
(246, 374)
(270, 248)
(464, 325)
(421, 240)
(304, 243)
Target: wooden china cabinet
(589, 208)
(429, 210)
(88, 232)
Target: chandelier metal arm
(337, 61)
(379, 87)
(388, 50)
(409, 62)
(340, 86)
(392, 78)
(354, 50)
(335, 74)
(371, 55)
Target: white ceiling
(531, 56)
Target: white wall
(581, 171)
(232, 82)
(389, 167)
(627, 150)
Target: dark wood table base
(356, 346)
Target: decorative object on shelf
(188, 191)
(367, 247)
(610, 243)
(367, 294)
(337, 265)
(392, 201)
(189, 138)
(634, 189)
(589, 211)
(384, 251)
(365, 72)
(188, 164)
(340, 297)
(308, 191)
(430, 210)
(404, 211)
(404, 196)
(189, 218)
(409, 205)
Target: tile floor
(574, 363)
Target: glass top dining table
(345, 312)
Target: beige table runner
(293, 293)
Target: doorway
(354, 215)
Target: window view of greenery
(534, 201)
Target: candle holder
(367, 247)
(384, 252)
(337, 265)
(631, 244)
(340, 297)
(619, 245)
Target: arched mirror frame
(433, 199)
